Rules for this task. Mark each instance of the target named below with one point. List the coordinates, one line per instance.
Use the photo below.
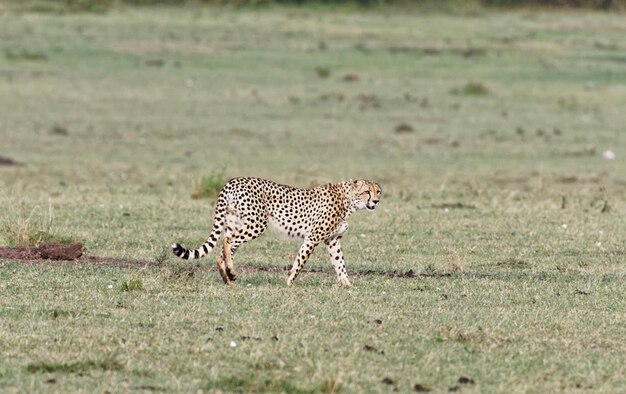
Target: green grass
(500, 204)
(210, 185)
(132, 284)
(22, 229)
(76, 367)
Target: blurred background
(515, 105)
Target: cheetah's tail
(205, 248)
(188, 254)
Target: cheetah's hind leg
(221, 268)
(228, 257)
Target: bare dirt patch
(58, 254)
(63, 254)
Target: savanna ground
(498, 139)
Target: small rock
(155, 62)
(59, 130)
(403, 128)
(420, 388)
(608, 154)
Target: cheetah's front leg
(336, 258)
(303, 255)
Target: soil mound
(19, 254)
(6, 161)
(59, 254)
(66, 252)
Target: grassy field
(498, 139)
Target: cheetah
(247, 206)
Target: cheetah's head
(365, 194)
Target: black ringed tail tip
(178, 250)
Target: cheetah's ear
(357, 184)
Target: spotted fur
(247, 206)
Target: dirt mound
(64, 252)
(5, 161)
(19, 254)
